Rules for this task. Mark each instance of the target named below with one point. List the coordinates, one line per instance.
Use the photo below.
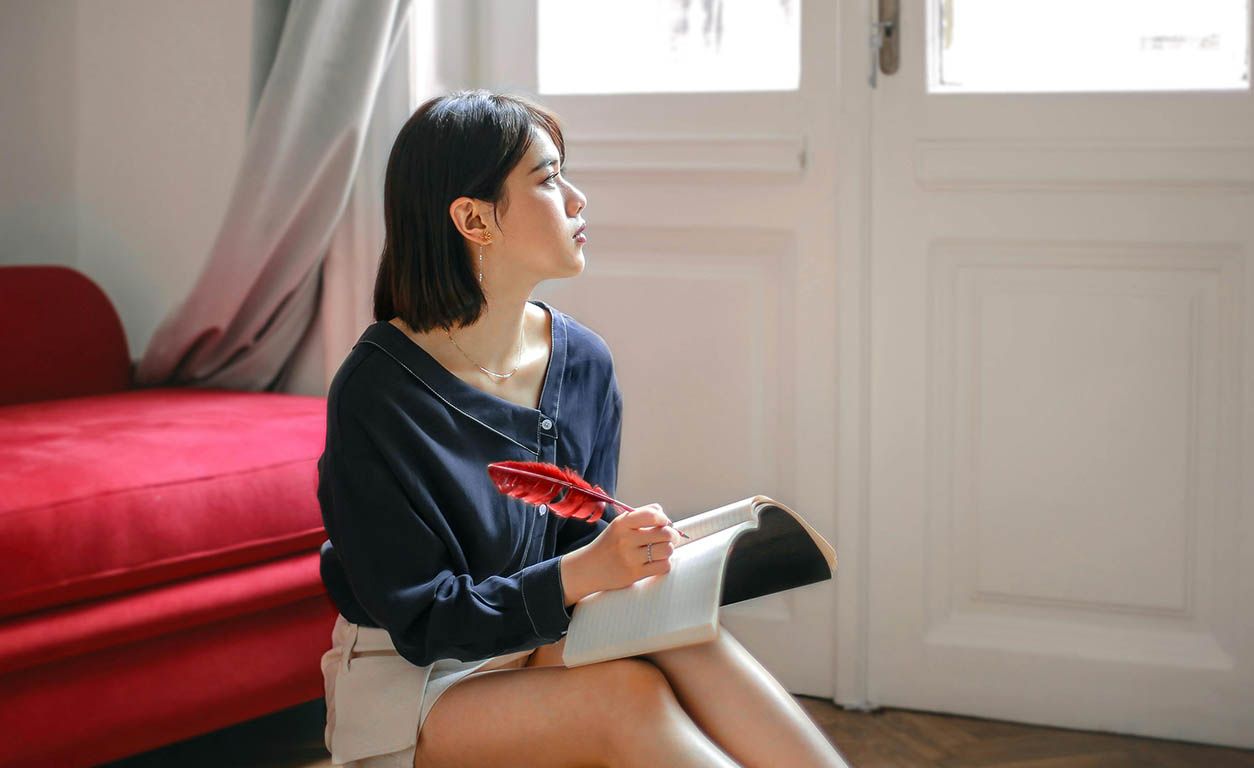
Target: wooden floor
(897, 738)
(888, 738)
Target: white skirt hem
(377, 700)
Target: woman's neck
(492, 341)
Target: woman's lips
(581, 238)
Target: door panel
(710, 272)
(1059, 332)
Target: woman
(454, 599)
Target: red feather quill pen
(538, 482)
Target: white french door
(1054, 309)
(984, 322)
(710, 268)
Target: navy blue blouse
(419, 541)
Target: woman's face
(537, 227)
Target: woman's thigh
(550, 716)
(547, 655)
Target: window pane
(656, 46)
(1091, 45)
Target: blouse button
(543, 508)
(546, 424)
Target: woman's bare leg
(548, 655)
(616, 713)
(742, 707)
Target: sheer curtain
(346, 302)
(289, 275)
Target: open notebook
(746, 549)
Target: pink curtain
(255, 300)
(346, 304)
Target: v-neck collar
(519, 424)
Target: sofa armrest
(59, 336)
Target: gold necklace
(517, 362)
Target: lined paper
(657, 610)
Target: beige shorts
(377, 700)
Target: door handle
(883, 41)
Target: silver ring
(650, 549)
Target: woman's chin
(577, 263)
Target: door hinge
(882, 42)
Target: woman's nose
(578, 198)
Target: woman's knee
(638, 697)
(640, 691)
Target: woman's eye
(550, 178)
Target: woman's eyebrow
(543, 162)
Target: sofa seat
(81, 629)
(101, 680)
(159, 546)
(107, 494)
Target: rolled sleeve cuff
(544, 598)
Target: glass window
(656, 46)
(1023, 46)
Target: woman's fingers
(661, 550)
(659, 535)
(647, 516)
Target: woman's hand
(618, 556)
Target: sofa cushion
(92, 683)
(110, 493)
(77, 630)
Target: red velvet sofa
(158, 546)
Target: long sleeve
(393, 542)
(602, 470)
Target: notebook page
(706, 523)
(662, 604)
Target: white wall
(38, 118)
(122, 127)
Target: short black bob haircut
(462, 143)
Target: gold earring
(487, 239)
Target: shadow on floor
(886, 738)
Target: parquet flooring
(888, 738)
(896, 738)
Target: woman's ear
(468, 216)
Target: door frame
(853, 292)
